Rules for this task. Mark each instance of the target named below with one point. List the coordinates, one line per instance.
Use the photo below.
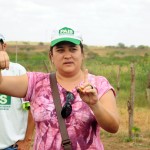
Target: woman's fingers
(86, 86)
(4, 60)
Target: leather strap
(66, 143)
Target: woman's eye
(59, 50)
(73, 49)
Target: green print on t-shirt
(5, 100)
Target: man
(16, 123)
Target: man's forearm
(26, 143)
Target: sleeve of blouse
(103, 85)
(31, 81)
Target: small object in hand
(91, 86)
(79, 89)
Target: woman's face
(67, 57)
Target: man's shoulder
(16, 65)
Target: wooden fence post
(118, 78)
(148, 89)
(131, 101)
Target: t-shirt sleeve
(103, 86)
(21, 70)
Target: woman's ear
(50, 57)
(52, 60)
(4, 46)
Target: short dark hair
(1, 41)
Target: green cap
(66, 34)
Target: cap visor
(75, 41)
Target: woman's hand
(87, 92)
(104, 109)
(4, 60)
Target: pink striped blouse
(82, 127)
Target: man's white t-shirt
(13, 119)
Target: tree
(121, 45)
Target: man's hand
(25, 144)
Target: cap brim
(75, 41)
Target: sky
(101, 22)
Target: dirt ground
(113, 143)
(119, 140)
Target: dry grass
(118, 141)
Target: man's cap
(2, 37)
(66, 34)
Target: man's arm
(28, 140)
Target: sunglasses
(67, 108)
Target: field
(120, 141)
(115, 64)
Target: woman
(92, 97)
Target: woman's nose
(67, 54)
